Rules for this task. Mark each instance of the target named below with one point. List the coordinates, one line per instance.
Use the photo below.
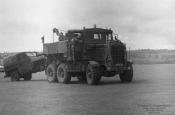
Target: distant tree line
(141, 56)
(148, 56)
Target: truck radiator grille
(118, 54)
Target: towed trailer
(22, 65)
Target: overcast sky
(140, 23)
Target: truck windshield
(109, 37)
(102, 36)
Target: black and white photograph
(87, 57)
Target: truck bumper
(118, 68)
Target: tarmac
(152, 92)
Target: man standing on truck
(61, 37)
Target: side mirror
(42, 38)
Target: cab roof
(94, 30)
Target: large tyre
(82, 77)
(93, 75)
(28, 76)
(51, 73)
(15, 76)
(99, 78)
(62, 74)
(127, 75)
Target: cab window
(110, 37)
(96, 36)
(99, 36)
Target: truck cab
(99, 45)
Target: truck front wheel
(63, 75)
(93, 75)
(127, 75)
(15, 76)
(51, 73)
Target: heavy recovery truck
(87, 54)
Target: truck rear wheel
(92, 74)
(127, 75)
(51, 73)
(63, 75)
(28, 76)
(15, 76)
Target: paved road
(152, 92)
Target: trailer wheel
(127, 75)
(63, 75)
(82, 77)
(15, 76)
(28, 76)
(93, 75)
(51, 73)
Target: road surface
(152, 92)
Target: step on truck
(87, 54)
